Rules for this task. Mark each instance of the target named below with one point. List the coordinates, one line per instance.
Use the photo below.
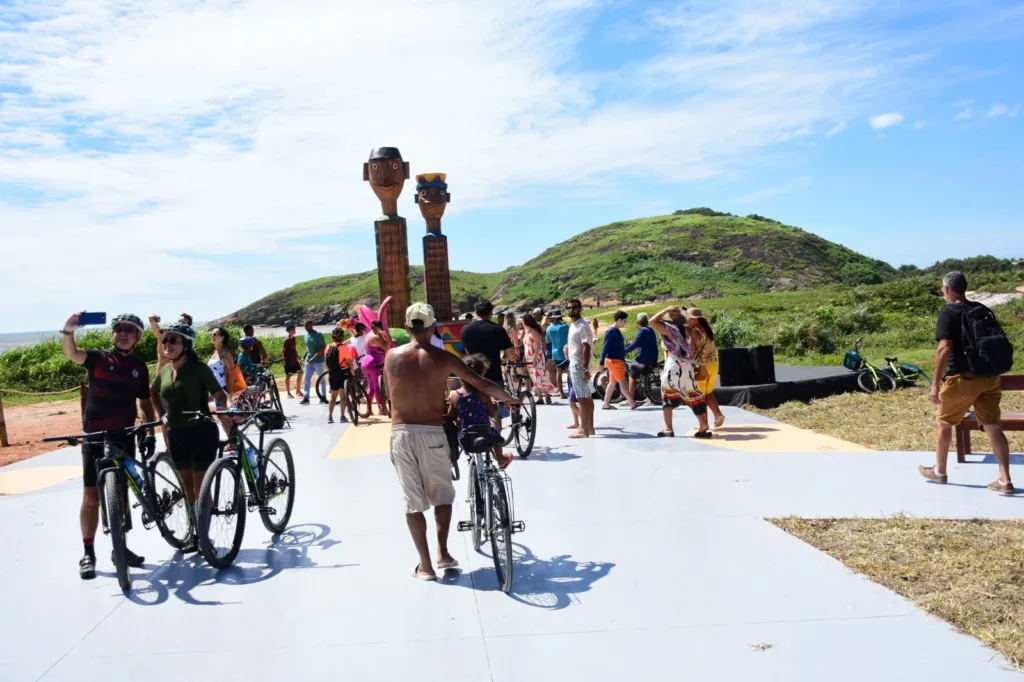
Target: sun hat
(419, 315)
(694, 313)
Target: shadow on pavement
(542, 583)
(289, 550)
(547, 455)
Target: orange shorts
(616, 369)
(959, 392)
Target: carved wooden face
(386, 177)
(432, 201)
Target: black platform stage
(791, 383)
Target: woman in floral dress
(534, 345)
(678, 379)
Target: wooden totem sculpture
(387, 172)
(432, 197)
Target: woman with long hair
(678, 379)
(373, 365)
(223, 363)
(702, 338)
(534, 345)
(513, 333)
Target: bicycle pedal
(465, 525)
(268, 510)
(518, 526)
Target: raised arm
(71, 349)
(456, 366)
(658, 321)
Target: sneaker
(133, 559)
(929, 473)
(87, 568)
(323, 402)
(343, 419)
(304, 401)
(1001, 487)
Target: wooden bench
(1011, 420)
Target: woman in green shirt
(185, 384)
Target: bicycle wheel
(364, 400)
(115, 524)
(476, 506)
(652, 387)
(384, 396)
(526, 431)
(167, 497)
(322, 390)
(599, 383)
(276, 485)
(501, 533)
(352, 401)
(913, 375)
(221, 511)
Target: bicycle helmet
(184, 331)
(128, 318)
(338, 334)
(248, 340)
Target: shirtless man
(416, 377)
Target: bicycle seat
(891, 360)
(480, 439)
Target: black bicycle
(262, 393)
(491, 503)
(268, 474)
(521, 424)
(355, 395)
(154, 482)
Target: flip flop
(666, 434)
(610, 407)
(445, 565)
(702, 434)
(719, 421)
(422, 575)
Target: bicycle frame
(486, 471)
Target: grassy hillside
(693, 252)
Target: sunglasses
(170, 340)
(124, 329)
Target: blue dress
(472, 411)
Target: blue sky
(168, 156)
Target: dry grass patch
(904, 420)
(969, 573)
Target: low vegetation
(966, 572)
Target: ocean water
(25, 339)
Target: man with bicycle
(646, 342)
(117, 380)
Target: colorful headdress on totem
(425, 180)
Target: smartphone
(89, 319)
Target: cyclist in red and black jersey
(117, 379)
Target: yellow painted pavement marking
(371, 437)
(34, 478)
(777, 437)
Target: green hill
(698, 252)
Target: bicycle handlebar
(77, 438)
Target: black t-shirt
(950, 319)
(116, 381)
(488, 339)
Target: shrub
(732, 331)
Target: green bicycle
(873, 379)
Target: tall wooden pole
(3, 425)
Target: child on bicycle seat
(468, 407)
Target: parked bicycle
(648, 386)
(262, 394)
(154, 482)
(491, 503)
(872, 378)
(249, 478)
(521, 424)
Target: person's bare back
(417, 382)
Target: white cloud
(836, 129)
(1003, 110)
(885, 120)
(918, 125)
(239, 129)
(963, 115)
(794, 185)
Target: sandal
(719, 420)
(702, 434)
(422, 575)
(666, 434)
(610, 407)
(447, 564)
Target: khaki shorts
(420, 455)
(959, 392)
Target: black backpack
(989, 353)
(332, 358)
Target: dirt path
(29, 424)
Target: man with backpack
(973, 352)
(341, 362)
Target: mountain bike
(491, 503)
(872, 379)
(521, 424)
(355, 395)
(262, 393)
(249, 478)
(648, 384)
(154, 482)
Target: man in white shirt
(358, 340)
(580, 347)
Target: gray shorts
(423, 463)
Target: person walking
(702, 338)
(416, 376)
(292, 364)
(678, 381)
(956, 389)
(483, 336)
(646, 344)
(581, 344)
(533, 349)
(313, 360)
(558, 336)
(613, 358)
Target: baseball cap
(419, 315)
(537, 312)
(248, 340)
